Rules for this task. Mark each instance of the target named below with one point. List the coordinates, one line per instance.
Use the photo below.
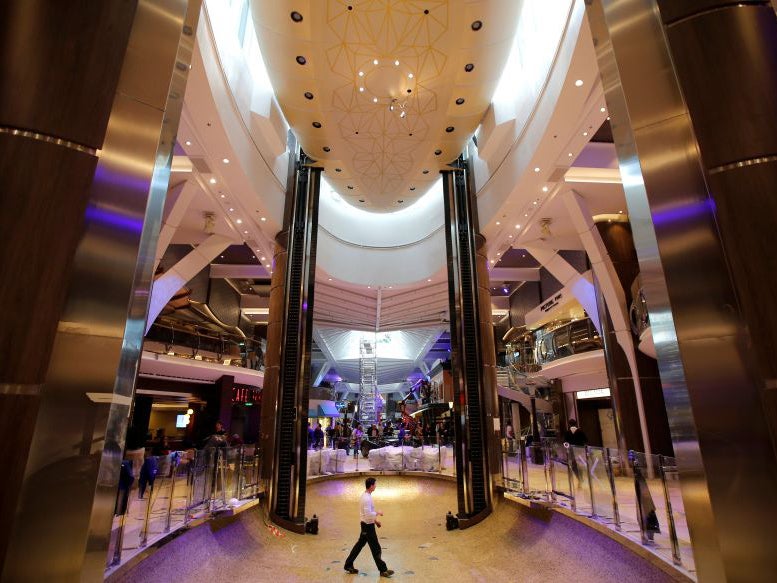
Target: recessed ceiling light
(231, 209)
(261, 258)
(188, 143)
(409, 75)
(602, 109)
(361, 200)
(223, 196)
(429, 279)
(544, 189)
(459, 101)
(246, 232)
(361, 73)
(308, 95)
(369, 287)
(449, 129)
(390, 287)
(350, 187)
(537, 169)
(327, 149)
(374, 99)
(509, 236)
(253, 256)
(412, 188)
(498, 254)
(579, 83)
(469, 67)
(477, 25)
(263, 219)
(317, 124)
(570, 154)
(525, 214)
(361, 89)
(226, 160)
(620, 212)
(222, 257)
(517, 226)
(400, 201)
(437, 152)
(330, 279)
(338, 169)
(212, 181)
(608, 118)
(375, 61)
(425, 172)
(239, 221)
(493, 261)
(585, 133)
(396, 63)
(498, 223)
(296, 16)
(301, 60)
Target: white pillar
(166, 286)
(186, 191)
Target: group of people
(349, 434)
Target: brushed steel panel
(705, 362)
(79, 433)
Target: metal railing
(636, 494)
(173, 490)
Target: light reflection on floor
(509, 546)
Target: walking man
(368, 516)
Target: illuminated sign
(593, 394)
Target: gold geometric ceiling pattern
(384, 93)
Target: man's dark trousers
(370, 537)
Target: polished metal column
(691, 88)
(475, 404)
(90, 98)
(289, 338)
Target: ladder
(368, 380)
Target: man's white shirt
(367, 512)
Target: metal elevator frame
(287, 506)
(474, 484)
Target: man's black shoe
(387, 573)
(351, 570)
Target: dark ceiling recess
(327, 149)
(469, 67)
(603, 134)
(238, 255)
(459, 101)
(437, 152)
(517, 258)
(308, 95)
(317, 124)
(296, 16)
(301, 60)
(449, 129)
(477, 25)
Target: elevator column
(286, 388)
(475, 404)
(690, 88)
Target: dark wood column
(619, 243)
(690, 87)
(90, 97)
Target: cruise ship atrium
(475, 290)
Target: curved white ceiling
(380, 91)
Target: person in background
(574, 436)
(311, 435)
(236, 440)
(356, 439)
(368, 517)
(318, 437)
